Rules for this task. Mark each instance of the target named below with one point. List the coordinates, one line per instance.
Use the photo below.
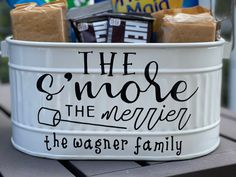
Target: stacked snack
(129, 28)
(113, 28)
(102, 23)
(45, 23)
(98, 23)
(185, 25)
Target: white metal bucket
(115, 101)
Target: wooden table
(13, 163)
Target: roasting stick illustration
(52, 117)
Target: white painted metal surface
(115, 101)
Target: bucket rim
(10, 40)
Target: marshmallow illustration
(50, 117)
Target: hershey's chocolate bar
(91, 31)
(129, 31)
(114, 28)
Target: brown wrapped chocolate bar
(91, 29)
(88, 23)
(185, 25)
(45, 23)
(113, 28)
(98, 24)
(129, 28)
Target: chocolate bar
(128, 28)
(91, 29)
(114, 28)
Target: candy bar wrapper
(185, 25)
(129, 28)
(92, 29)
(45, 23)
(87, 25)
(113, 28)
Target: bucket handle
(4, 49)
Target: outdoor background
(5, 30)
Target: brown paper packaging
(45, 23)
(185, 25)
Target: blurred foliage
(225, 81)
(5, 30)
(224, 11)
(4, 70)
